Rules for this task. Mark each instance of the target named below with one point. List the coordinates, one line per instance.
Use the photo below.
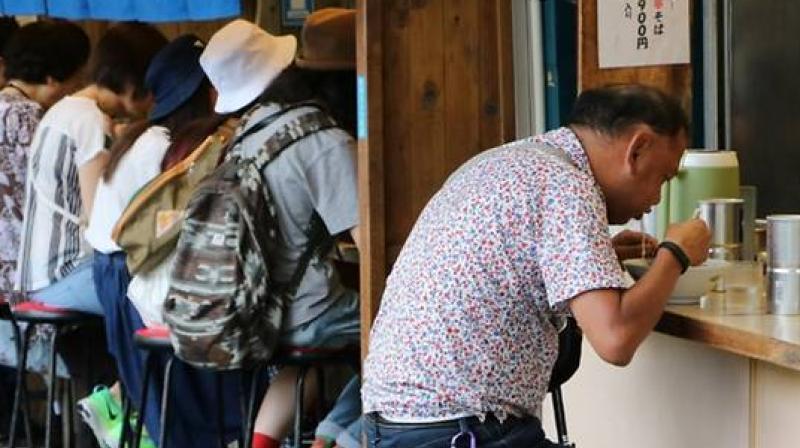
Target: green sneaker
(116, 431)
(103, 414)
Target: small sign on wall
(295, 12)
(633, 33)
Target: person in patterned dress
(518, 238)
(42, 63)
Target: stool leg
(20, 393)
(164, 424)
(148, 369)
(67, 419)
(251, 409)
(124, 435)
(320, 393)
(220, 412)
(298, 402)
(51, 389)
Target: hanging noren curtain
(144, 10)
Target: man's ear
(638, 140)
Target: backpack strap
(242, 132)
(59, 210)
(290, 133)
(318, 245)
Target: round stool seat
(40, 313)
(153, 338)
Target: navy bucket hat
(174, 74)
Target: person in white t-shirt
(68, 155)
(181, 93)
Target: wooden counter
(766, 337)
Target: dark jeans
(513, 433)
(194, 400)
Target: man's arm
(616, 322)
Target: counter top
(766, 337)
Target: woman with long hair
(181, 93)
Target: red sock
(264, 441)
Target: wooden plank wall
(675, 79)
(440, 90)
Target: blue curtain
(212, 9)
(22, 7)
(111, 9)
(144, 10)
(161, 10)
(68, 9)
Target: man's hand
(693, 237)
(628, 244)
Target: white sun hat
(241, 60)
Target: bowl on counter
(693, 284)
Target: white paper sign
(633, 33)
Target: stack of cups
(783, 265)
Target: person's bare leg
(276, 414)
(116, 391)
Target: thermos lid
(721, 201)
(704, 158)
(783, 218)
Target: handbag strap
(53, 206)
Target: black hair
(8, 25)
(336, 89)
(293, 85)
(196, 107)
(50, 48)
(613, 109)
(123, 54)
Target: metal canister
(725, 219)
(783, 265)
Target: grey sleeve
(332, 182)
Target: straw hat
(329, 40)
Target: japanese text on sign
(642, 32)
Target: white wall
(776, 407)
(675, 393)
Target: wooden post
(370, 162)
(439, 89)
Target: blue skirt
(193, 397)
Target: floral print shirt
(467, 324)
(19, 117)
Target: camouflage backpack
(223, 308)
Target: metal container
(760, 236)
(725, 219)
(783, 264)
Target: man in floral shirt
(517, 238)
